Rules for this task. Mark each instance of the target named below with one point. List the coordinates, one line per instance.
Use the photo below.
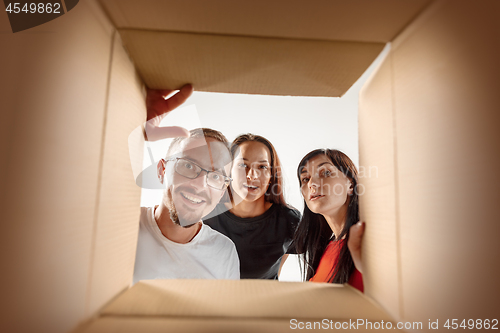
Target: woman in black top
(258, 221)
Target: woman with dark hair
(256, 218)
(329, 185)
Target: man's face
(188, 200)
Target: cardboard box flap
(262, 47)
(243, 299)
(232, 64)
(224, 325)
(186, 325)
(356, 20)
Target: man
(173, 242)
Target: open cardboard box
(72, 92)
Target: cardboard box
(72, 91)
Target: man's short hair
(196, 134)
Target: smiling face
(325, 188)
(251, 171)
(188, 200)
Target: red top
(327, 263)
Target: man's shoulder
(224, 250)
(145, 213)
(214, 236)
(215, 215)
(145, 210)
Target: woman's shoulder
(287, 209)
(289, 212)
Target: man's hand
(354, 244)
(158, 107)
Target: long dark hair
(314, 234)
(274, 192)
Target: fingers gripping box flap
(212, 302)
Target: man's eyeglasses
(191, 170)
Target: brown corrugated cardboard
(58, 84)
(184, 324)
(115, 229)
(441, 82)
(69, 200)
(446, 99)
(248, 64)
(335, 20)
(428, 122)
(240, 299)
(211, 302)
(274, 48)
(223, 325)
(378, 202)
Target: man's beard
(174, 216)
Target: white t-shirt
(209, 255)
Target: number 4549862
(49, 8)
(472, 324)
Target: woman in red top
(329, 185)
